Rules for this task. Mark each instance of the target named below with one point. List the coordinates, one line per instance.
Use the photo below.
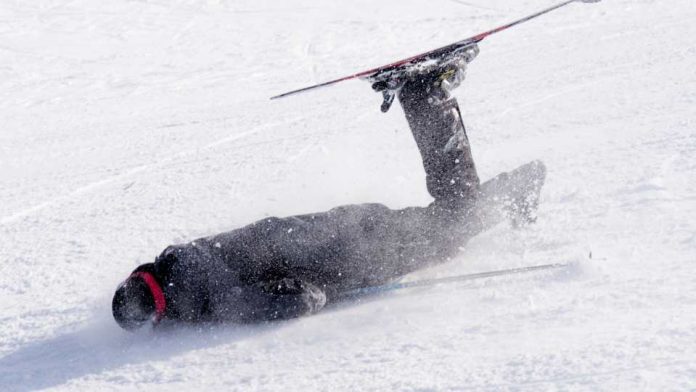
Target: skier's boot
(444, 73)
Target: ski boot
(446, 71)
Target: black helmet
(133, 304)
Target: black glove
(291, 297)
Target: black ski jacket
(286, 267)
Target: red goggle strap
(156, 290)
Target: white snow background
(126, 126)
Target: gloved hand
(295, 297)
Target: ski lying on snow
(450, 279)
(432, 54)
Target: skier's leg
(424, 236)
(462, 207)
(437, 127)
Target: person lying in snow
(280, 268)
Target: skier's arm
(265, 301)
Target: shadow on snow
(99, 348)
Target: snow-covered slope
(129, 125)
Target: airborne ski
(385, 72)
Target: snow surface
(126, 126)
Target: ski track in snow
(127, 126)
(92, 186)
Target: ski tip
(280, 96)
(293, 92)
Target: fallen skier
(280, 268)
